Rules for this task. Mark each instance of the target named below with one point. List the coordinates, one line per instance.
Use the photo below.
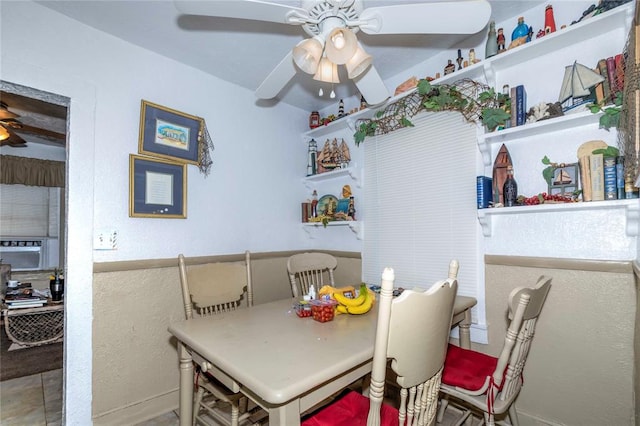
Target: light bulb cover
(307, 54)
(341, 45)
(4, 134)
(327, 72)
(358, 63)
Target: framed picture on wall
(157, 188)
(168, 133)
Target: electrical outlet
(105, 239)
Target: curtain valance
(31, 171)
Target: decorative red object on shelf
(549, 21)
(314, 120)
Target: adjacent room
(221, 206)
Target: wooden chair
(210, 289)
(412, 331)
(310, 268)
(476, 381)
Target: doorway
(36, 122)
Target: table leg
(285, 415)
(464, 328)
(186, 386)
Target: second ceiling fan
(332, 26)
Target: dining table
(284, 363)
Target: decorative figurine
(459, 59)
(520, 34)
(449, 68)
(314, 204)
(346, 191)
(472, 57)
(491, 48)
(351, 211)
(312, 160)
(314, 120)
(549, 21)
(540, 33)
(501, 40)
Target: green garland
(475, 101)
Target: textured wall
(135, 362)
(581, 365)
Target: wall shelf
(538, 128)
(620, 17)
(334, 174)
(631, 208)
(312, 228)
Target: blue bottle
(521, 30)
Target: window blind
(420, 202)
(29, 211)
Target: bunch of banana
(356, 306)
(327, 291)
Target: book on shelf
(613, 81)
(598, 90)
(606, 84)
(514, 116)
(521, 105)
(585, 177)
(596, 169)
(18, 299)
(610, 190)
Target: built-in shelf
(486, 70)
(312, 228)
(631, 208)
(351, 172)
(538, 128)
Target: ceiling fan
(8, 122)
(332, 25)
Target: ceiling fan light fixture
(327, 72)
(341, 45)
(358, 63)
(307, 54)
(4, 133)
(5, 113)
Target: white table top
(255, 346)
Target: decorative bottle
(491, 48)
(510, 189)
(521, 30)
(549, 21)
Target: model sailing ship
(333, 156)
(576, 86)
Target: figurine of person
(351, 211)
(449, 68)
(501, 40)
(314, 204)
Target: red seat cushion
(467, 369)
(351, 410)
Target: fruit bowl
(323, 310)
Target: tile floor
(37, 401)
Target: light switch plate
(105, 239)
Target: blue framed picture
(168, 133)
(157, 188)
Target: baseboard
(139, 412)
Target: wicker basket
(35, 326)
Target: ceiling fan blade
(244, 9)
(13, 140)
(277, 79)
(372, 87)
(453, 17)
(48, 134)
